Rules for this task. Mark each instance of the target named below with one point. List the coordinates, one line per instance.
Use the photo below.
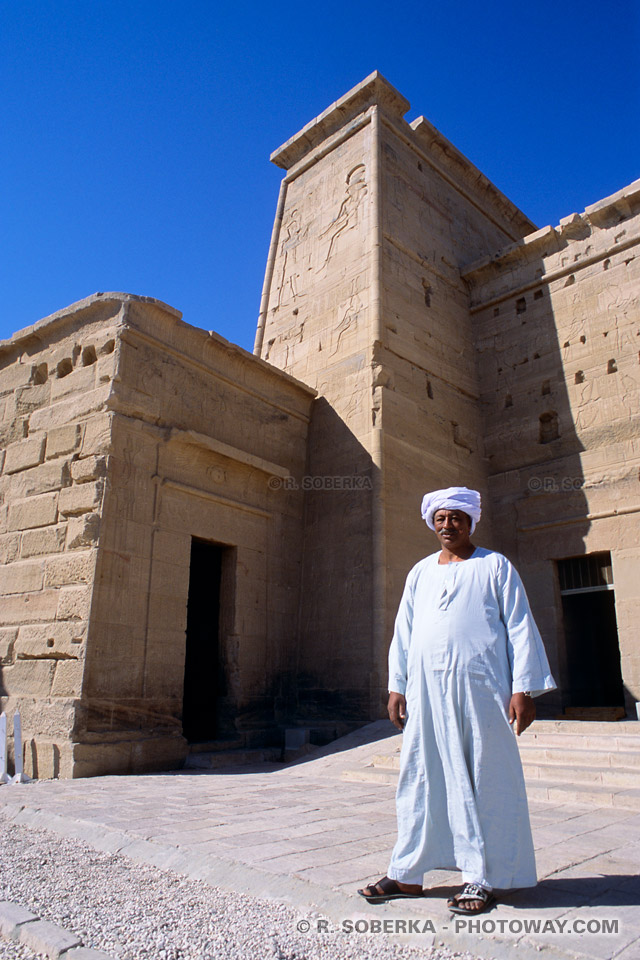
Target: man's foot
(388, 889)
(471, 899)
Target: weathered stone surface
(27, 678)
(43, 479)
(7, 639)
(24, 454)
(12, 916)
(50, 641)
(68, 569)
(80, 498)
(83, 531)
(21, 577)
(64, 440)
(73, 603)
(30, 607)
(43, 540)
(33, 512)
(67, 680)
(9, 547)
(90, 468)
(47, 938)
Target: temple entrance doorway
(591, 632)
(204, 681)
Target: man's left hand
(522, 712)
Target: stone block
(46, 760)
(43, 541)
(29, 607)
(7, 639)
(9, 547)
(42, 479)
(70, 569)
(87, 953)
(27, 678)
(28, 399)
(69, 410)
(97, 435)
(47, 938)
(107, 368)
(24, 454)
(63, 440)
(33, 512)
(12, 431)
(50, 641)
(73, 603)
(90, 468)
(83, 531)
(81, 498)
(67, 680)
(12, 917)
(21, 577)
(14, 376)
(82, 379)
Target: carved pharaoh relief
(349, 213)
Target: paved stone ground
(302, 836)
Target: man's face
(453, 528)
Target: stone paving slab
(302, 836)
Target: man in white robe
(465, 662)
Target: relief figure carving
(348, 214)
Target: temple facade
(200, 545)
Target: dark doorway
(591, 632)
(203, 675)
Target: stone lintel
(374, 89)
(226, 450)
(459, 168)
(619, 202)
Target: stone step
(218, 759)
(573, 741)
(612, 777)
(591, 794)
(627, 760)
(625, 794)
(619, 728)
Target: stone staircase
(564, 761)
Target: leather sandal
(471, 891)
(390, 891)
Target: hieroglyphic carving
(350, 311)
(348, 215)
(287, 288)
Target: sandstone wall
(126, 433)
(558, 327)
(55, 382)
(437, 211)
(363, 299)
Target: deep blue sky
(135, 135)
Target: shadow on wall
(530, 367)
(335, 649)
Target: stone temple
(201, 545)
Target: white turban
(452, 498)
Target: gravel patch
(138, 912)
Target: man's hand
(522, 710)
(397, 707)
